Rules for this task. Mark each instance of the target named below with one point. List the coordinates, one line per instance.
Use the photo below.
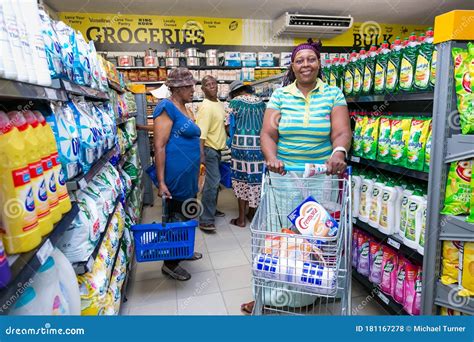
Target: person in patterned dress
(246, 119)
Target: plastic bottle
(359, 72)
(423, 64)
(393, 67)
(398, 207)
(15, 42)
(414, 219)
(52, 46)
(3, 41)
(5, 273)
(381, 69)
(68, 282)
(25, 42)
(387, 219)
(369, 71)
(366, 198)
(376, 204)
(28, 304)
(33, 154)
(33, 27)
(326, 70)
(407, 192)
(434, 57)
(64, 204)
(356, 188)
(408, 64)
(47, 164)
(340, 72)
(349, 74)
(20, 223)
(421, 241)
(334, 72)
(46, 285)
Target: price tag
(82, 184)
(355, 159)
(383, 297)
(45, 251)
(393, 243)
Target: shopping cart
(301, 274)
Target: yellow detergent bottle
(61, 190)
(33, 155)
(47, 166)
(17, 205)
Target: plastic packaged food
(419, 132)
(466, 270)
(383, 153)
(458, 188)
(450, 262)
(399, 136)
(370, 138)
(464, 88)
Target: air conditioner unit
(308, 25)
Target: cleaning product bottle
(64, 202)
(19, 220)
(376, 205)
(387, 219)
(434, 57)
(334, 72)
(393, 67)
(340, 72)
(423, 64)
(359, 72)
(356, 183)
(6, 59)
(33, 153)
(52, 46)
(369, 71)
(326, 70)
(414, 219)
(407, 192)
(381, 69)
(408, 64)
(349, 75)
(5, 273)
(25, 42)
(47, 164)
(40, 64)
(366, 198)
(398, 206)
(28, 304)
(68, 282)
(421, 241)
(15, 42)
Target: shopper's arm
(341, 136)
(162, 124)
(149, 128)
(269, 139)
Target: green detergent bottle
(326, 71)
(408, 65)
(349, 75)
(341, 71)
(369, 71)
(381, 69)
(423, 62)
(359, 72)
(334, 72)
(393, 67)
(434, 57)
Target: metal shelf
(87, 92)
(122, 121)
(394, 241)
(81, 181)
(26, 264)
(392, 168)
(267, 79)
(455, 228)
(446, 295)
(10, 89)
(387, 302)
(137, 67)
(422, 96)
(460, 147)
(115, 86)
(148, 82)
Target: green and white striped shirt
(305, 125)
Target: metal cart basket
(295, 273)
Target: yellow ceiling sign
(133, 29)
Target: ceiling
(384, 11)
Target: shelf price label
(45, 251)
(355, 159)
(383, 297)
(393, 243)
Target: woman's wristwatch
(340, 149)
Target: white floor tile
(152, 291)
(200, 284)
(230, 258)
(147, 270)
(235, 298)
(169, 307)
(211, 304)
(221, 242)
(196, 266)
(248, 254)
(234, 277)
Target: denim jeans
(211, 185)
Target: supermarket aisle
(220, 282)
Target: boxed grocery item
(249, 59)
(232, 59)
(265, 59)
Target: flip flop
(247, 308)
(196, 256)
(234, 223)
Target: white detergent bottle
(68, 282)
(3, 41)
(376, 205)
(388, 214)
(28, 305)
(407, 192)
(40, 64)
(25, 42)
(46, 285)
(421, 241)
(398, 206)
(366, 198)
(15, 43)
(7, 60)
(414, 219)
(356, 185)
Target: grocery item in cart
(464, 88)
(376, 257)
(417, 143)
(458, 188)
(383, 153)
(466, 270)
(370, 138)
(363, 246)
(310, 218)
(270, 266)
(297, 247)
(450, 262)
(399, 136)
(389, 270)
(315, 277)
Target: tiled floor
(221, 280)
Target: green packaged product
(423, 61)
(417, 143)
(369, 71)
(370, 138)
(463, 87)
(408, 64)
(359, 73)
(470, 218)
(349, 75)
(361, 122)
(393, 67)
(383, 154)
(381, 69)
(399, 135)
(426, 167)
(434, 57)
(458, 189)
(326, 70)
(334, 72)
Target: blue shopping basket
(164, 241)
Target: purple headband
(309, 45)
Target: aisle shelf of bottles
(421, 175)
(24, 266)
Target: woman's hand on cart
(336, 165)
(275, 165)
(163, 191)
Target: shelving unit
(446, 295)
(88, 93)
(399, 97)
(24, 266)
(115, 86)
(420, 175)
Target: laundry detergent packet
(399, 136)
(458, 188)
(462, 60)
(417, 143)
(360, 125)
(370, 138)
(466, 270)
(450, 262)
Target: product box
(232, 59)
(249, 59)
(285, 62)
(265, 59)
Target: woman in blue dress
(178, 156)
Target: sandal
(196, 256)
(210, 227)
(247, 308)
(177, 273)
(234, 223)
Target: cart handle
(309, 169)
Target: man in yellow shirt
(211, 121)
